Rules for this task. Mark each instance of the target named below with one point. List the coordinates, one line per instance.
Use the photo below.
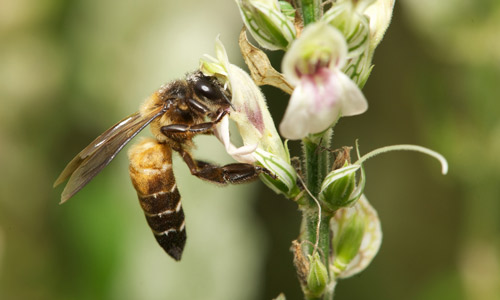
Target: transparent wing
(91, 160)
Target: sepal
(269, 26)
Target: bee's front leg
(174, 129)
(231, 173)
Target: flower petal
(250, 113)
(242, 154)
(295, 122)
(353, 100)
(317, 103)
(319, 45)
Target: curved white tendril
(439, 157)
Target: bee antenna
(228, 101)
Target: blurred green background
(71, 69)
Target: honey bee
(176, 113)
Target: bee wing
(91, 160)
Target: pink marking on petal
(323, 88)
(298, 72)
(254, 115)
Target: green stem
(310, 224)
(311, 10)
(310, 219)
(316, 165)
(316, 161)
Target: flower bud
(269, 26)
(363, 23)
(360, 67)
(286, 177)
(317, 279)
(348, 239)
(339, 187)
(287, 9)
(347, 16)
(380, 15)
(357, 238)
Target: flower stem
(317, 164)
(316, 161)
(310, 221)
(311, 10)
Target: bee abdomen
(165, 216)
(152, 176)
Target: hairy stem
(316, 165)
(316, 160)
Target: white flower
(261, 142)
(323, 92)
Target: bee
(176, 113)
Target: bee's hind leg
(230, 173)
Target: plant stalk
(317, 166)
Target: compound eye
(207, 90)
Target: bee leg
(173, 129)
(231, 173)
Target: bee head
(209, 90)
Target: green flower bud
(349, 19)
(287, 9)
(357, 238)
(269, 26)
(286, 177)
(348, 239)
(363, 23)
(359, 68)
(338, 186)
(318, 276)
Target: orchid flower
(261, 141)
(322, 91)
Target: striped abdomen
(153, 178)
